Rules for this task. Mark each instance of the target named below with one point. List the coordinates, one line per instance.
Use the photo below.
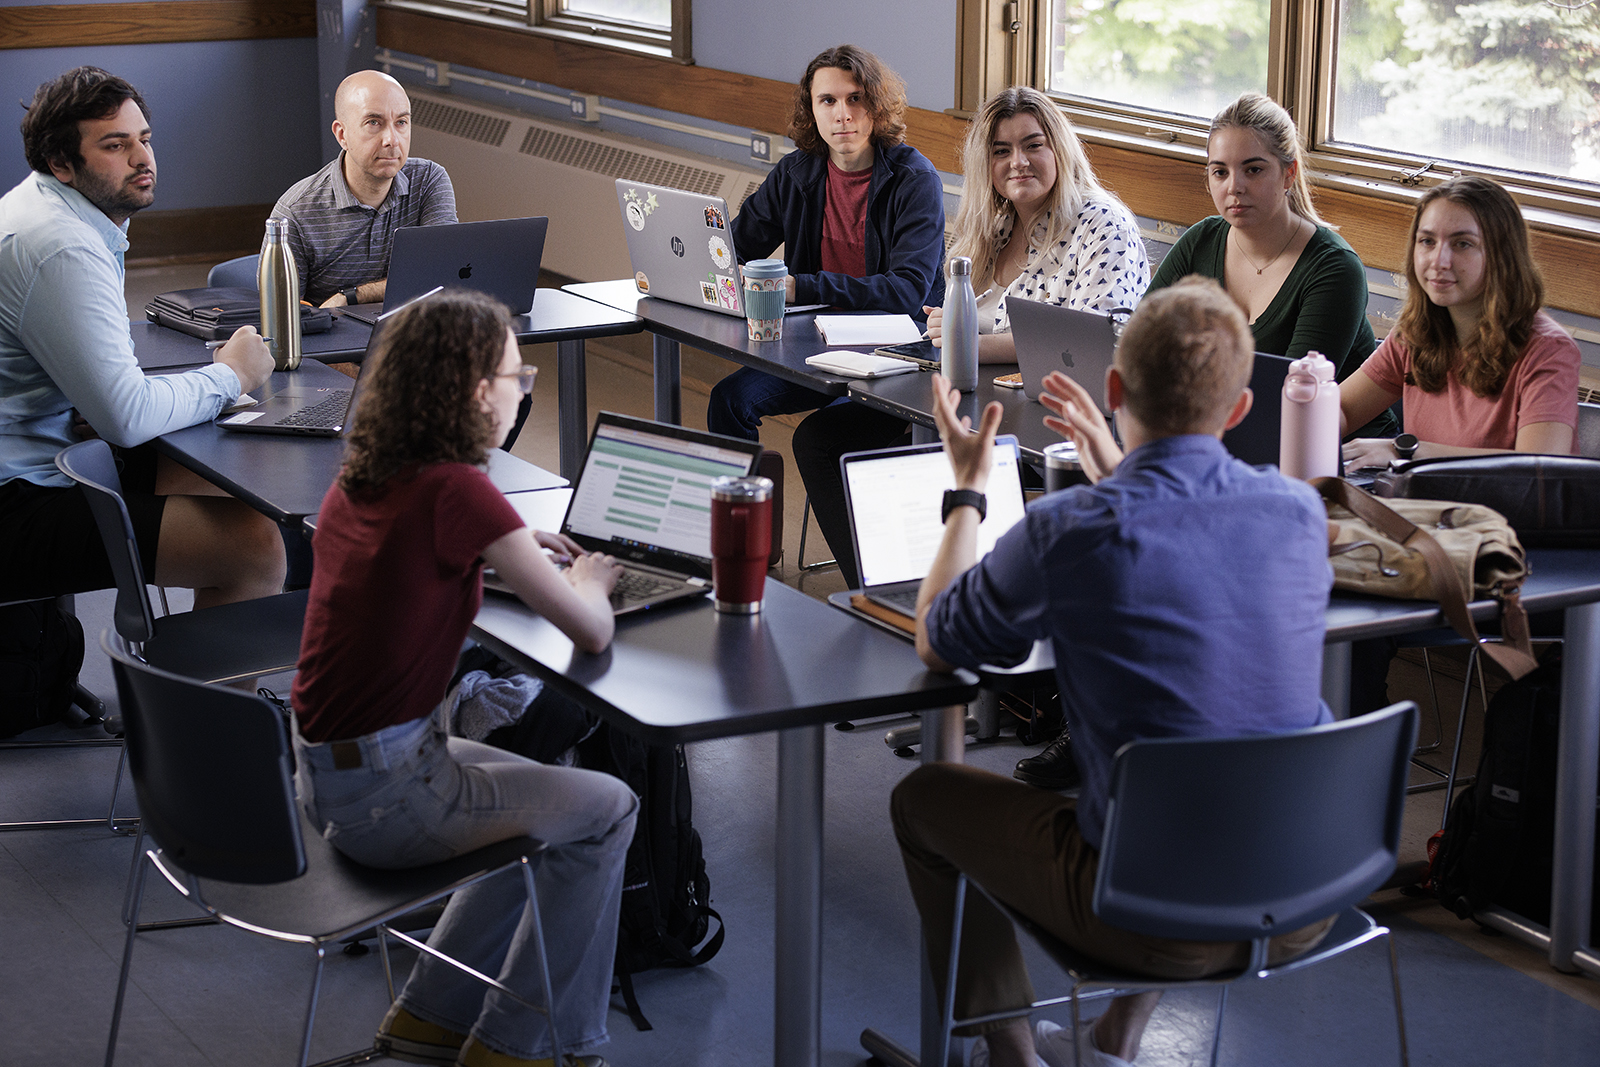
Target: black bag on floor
(1500, 840)
(666, 894)
(41, 652)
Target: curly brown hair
(418, 402)
(50, 127)
(1513, 293)
(883, 91)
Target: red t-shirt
(397, 583)
(1542, 387)
(844, 222)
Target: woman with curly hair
(859, 212)
(401, 543)
(1478, 366)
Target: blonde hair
(983, 211)
(1266, 119)
(1185, 357)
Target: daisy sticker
(720, 254)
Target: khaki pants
(1022, 845)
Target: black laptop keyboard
(329, 413)
(635, 586)
(903, 600)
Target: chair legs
(110, 822)
(805, 527)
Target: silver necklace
(1262, 269)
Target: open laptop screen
(895, 497)
(645, 489)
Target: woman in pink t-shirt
(1479, 366)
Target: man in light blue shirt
(67, 368)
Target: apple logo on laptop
(465, 272)
(1066, 357)
(677, 247)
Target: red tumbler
(741, 541)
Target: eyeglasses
(524, 376)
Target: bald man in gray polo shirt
(342, 219)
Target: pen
(219, 344)
(981, 298)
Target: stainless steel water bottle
(279, 282)
(959, 343)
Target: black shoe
(1054, 768)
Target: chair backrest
(240, 272)
(211, 768)
(1588, 442)
(1230, 839)
(91, 465)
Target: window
(1379, 87)
(657, 27)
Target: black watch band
(960, 498)
(351, 295)
(1405, 446)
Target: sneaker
(1055, 1047)
(980, 1054)
(1054, 768)
(474, 1054)
(403, 1036)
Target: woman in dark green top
(1300, 285)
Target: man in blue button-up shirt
(1183, 595)
(67, 368)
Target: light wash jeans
(420, 797)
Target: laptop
(681, 247)
(1257, 439)
(894, 496)
(644, 496)
(500, 258)
(300, 410)
(1052, 338)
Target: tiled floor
(217, 996)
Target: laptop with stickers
(894, 496)
(680, 246)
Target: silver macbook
(894, 496)
(500, 258)
(681, 246)
(1080, 344)
(644, 496)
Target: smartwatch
(1405, 446)
(350, 296)
(958, 498)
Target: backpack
(41, 652)
(666, 894)
(1499, 844)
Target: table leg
(1573, 875)
(669, 401)
(572, 406)
(798, 1009)
(1336, 678)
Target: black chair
(1238, 839)
(211, 767)
(220, 644)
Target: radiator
(505, 164)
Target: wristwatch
(350, 296)
(1405, 446)
(959, 498)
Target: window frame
(1007, 42)
(545, 18)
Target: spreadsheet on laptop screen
(896, 500)
(650, 490)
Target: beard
(116, 199)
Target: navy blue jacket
(905, 231)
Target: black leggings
(819, 441)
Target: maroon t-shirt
(397, 583)
(844, 222)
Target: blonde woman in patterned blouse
(1047, 229)
(1026, 173)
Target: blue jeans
(420, 797)
(740, 400)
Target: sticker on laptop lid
(708, 293)
(643, 282)
(727, 292)
(714, 217)
(637, 207)
(719, 252)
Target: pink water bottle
(1309, 443)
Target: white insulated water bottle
(1309, 443)
(959, 343)
(278, 280)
